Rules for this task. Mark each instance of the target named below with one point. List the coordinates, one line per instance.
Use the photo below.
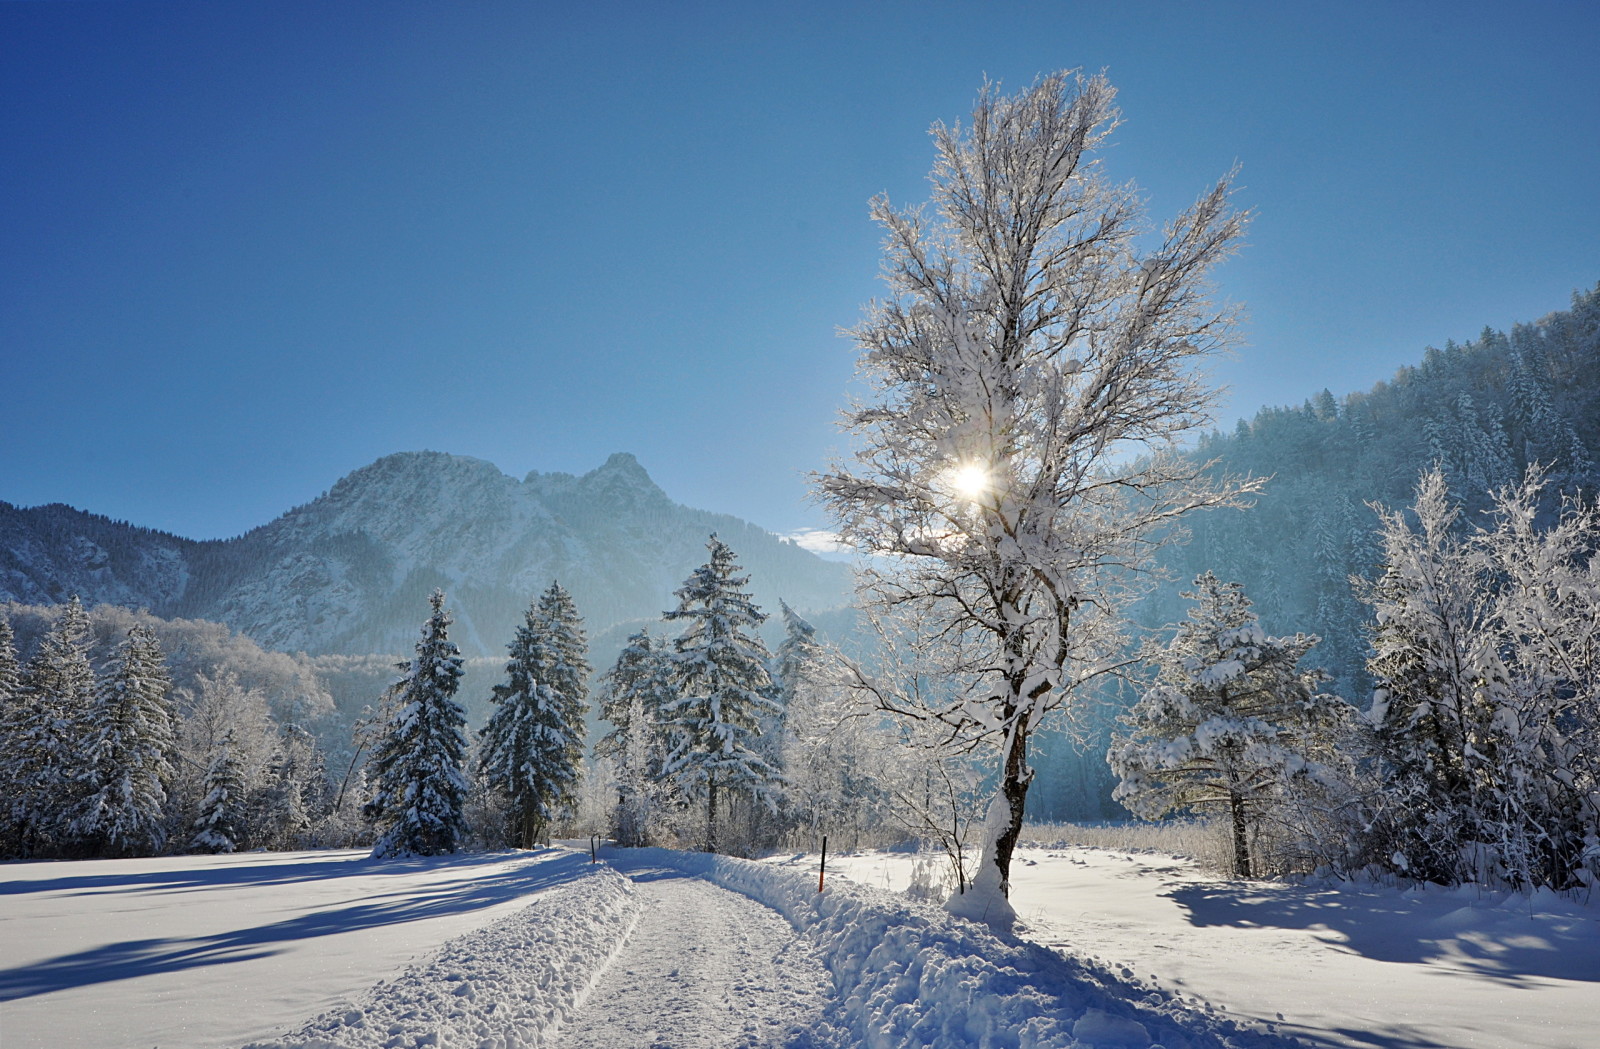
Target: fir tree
(129, 753)
(633, 695)
(533, 743)
(220, 825)
(419, 790)
(51, 731)
(723, 689)
(12, 724)
(1230, 722)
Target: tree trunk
(711, 817)
(1015, 779)
(1241, 844)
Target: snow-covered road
(704, 968)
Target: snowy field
(657, 949)
(1353, 965)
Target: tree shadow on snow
(135, 958)
(1492, 940)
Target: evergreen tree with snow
(633, 695)
(1230, 722)
(724, 690)
(11, 727)
(220, 827)
(533, 744)
(131, 742)
(50, 732)
(418, 786)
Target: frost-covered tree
(532, 748)
(723, 690)
(418, 786)
(49, 733)
(220, 827)
(1231, 723)
(1486, 659)
(131, 741)
(12, 723)
(1035, 369)
(633, 695)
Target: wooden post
(823, 869)
(594, 848)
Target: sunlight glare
(970, 481)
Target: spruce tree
(633, 694)
(533, 744)
(1231, 721)
(220, 827)
(419, 789)
(51, 732)
(12, 768)
(129, 754)
(723, 689)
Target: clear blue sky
(246, 248)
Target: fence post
(822, 870)
(594, 848)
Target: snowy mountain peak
(350, 571)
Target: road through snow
(704, 968)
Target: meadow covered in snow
(654, 947)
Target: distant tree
(532, 751)
(418, 787)
(1231, 722)
(130, 748)
(723, 690)
(633, 695)
(220, 827)
(1035, 372)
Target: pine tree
(419, 789)
(533, 744)
(220, 826)
(723, 689)
(633, 694)
(1231, 721)
(129, 753)
(50, 733)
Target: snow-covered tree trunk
(1034, 370)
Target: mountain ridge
(347, 572)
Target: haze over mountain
(350, 571)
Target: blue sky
(246, 248)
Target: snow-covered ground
(201, 951)
(314, 950)
(1363, 966)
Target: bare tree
(1034, 368)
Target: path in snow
(704, 968)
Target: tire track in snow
(704, 968)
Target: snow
(1348, 965)
(657, 948)
(200, 951)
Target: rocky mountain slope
(350, 571)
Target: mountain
(349, 572)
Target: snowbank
(508, 985)
(910, 974)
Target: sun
(970, 481)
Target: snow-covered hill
(350, 571)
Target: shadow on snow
(134, 958)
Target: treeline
(104, 756)
(1483, 411)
